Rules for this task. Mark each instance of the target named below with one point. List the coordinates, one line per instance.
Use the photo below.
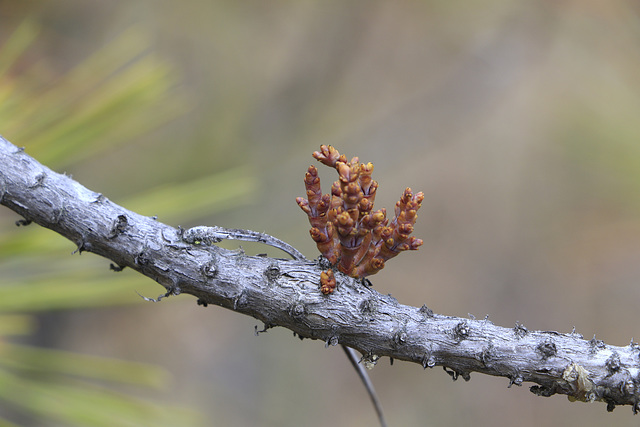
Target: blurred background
(519, 120)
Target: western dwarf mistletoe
(346, 229)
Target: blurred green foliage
(111, 98)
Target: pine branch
(285, 292)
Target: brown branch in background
(346, 229)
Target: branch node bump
(454, 374)
(428, 361)
(462, 331)
(141, 259)
(333, 341)
(265, 328)
(547, 349)
(613, 362)
(370, 360)
(298, 310)
(517, 380)
(425, 311)
(120, 224)
(240, 300)
(37, 180)
(117, 268)
(487, 354)
(272, 273)
(520, 330)
(209, 269)
(400, 337)
(82, 246)
(596, 344)
(23, 222)
(368, 308)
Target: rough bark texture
(285, 292)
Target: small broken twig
(211, 235)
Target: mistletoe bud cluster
(346, 229)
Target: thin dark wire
(355, 361)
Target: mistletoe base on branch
(285, 293)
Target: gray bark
(285, 292)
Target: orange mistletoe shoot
(346, 229)
(327, 282)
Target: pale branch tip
(281, 292)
